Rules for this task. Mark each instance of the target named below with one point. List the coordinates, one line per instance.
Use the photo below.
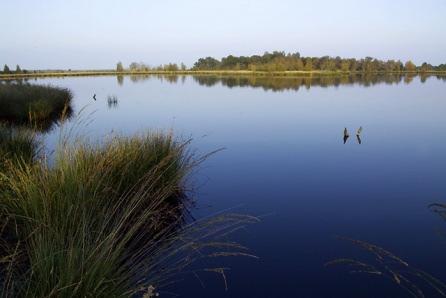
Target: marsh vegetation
(35, 106)
(102, 220)
(108, 219)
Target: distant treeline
(268, 62)
(142, 67)
(281, 61)
(18, 70)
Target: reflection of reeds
(105, 220)
(391, 267)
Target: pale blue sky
(97, 34)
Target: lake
(285, 161)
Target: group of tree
(18, 70)
(281, 61)
(142, 67)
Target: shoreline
(42, 74)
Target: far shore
(74, 73)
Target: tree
(207, 63)
(281, 61)
(119, 67)
(6, 69)
(170, 67)
(410, 66)
(426, 67)
(345, 65)
(134, 66)
(309, 65)
(353, 64)
(183, 66)
(18, 69)
(328, 64)
(299, 65)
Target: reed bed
(23, 103)
(105, 220)
(17, 145)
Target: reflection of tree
(276, 83)
(441, 77)
(408, 78)
(423, 77)
(171, 78)
(139, 78)
(281, 83)
(120, 79)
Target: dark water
(285, 161)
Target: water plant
(112, 101)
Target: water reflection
(162, 77)
(281, 83)
(295, 83)
(120, 79)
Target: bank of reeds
(17, 145)
(36, 105)
(104, 220)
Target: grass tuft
(104, 220)
(17, 145)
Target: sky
(88, 34)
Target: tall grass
(38, 105)
(415, 282)
(17, 145)
(104, 220)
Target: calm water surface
(285, 161)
